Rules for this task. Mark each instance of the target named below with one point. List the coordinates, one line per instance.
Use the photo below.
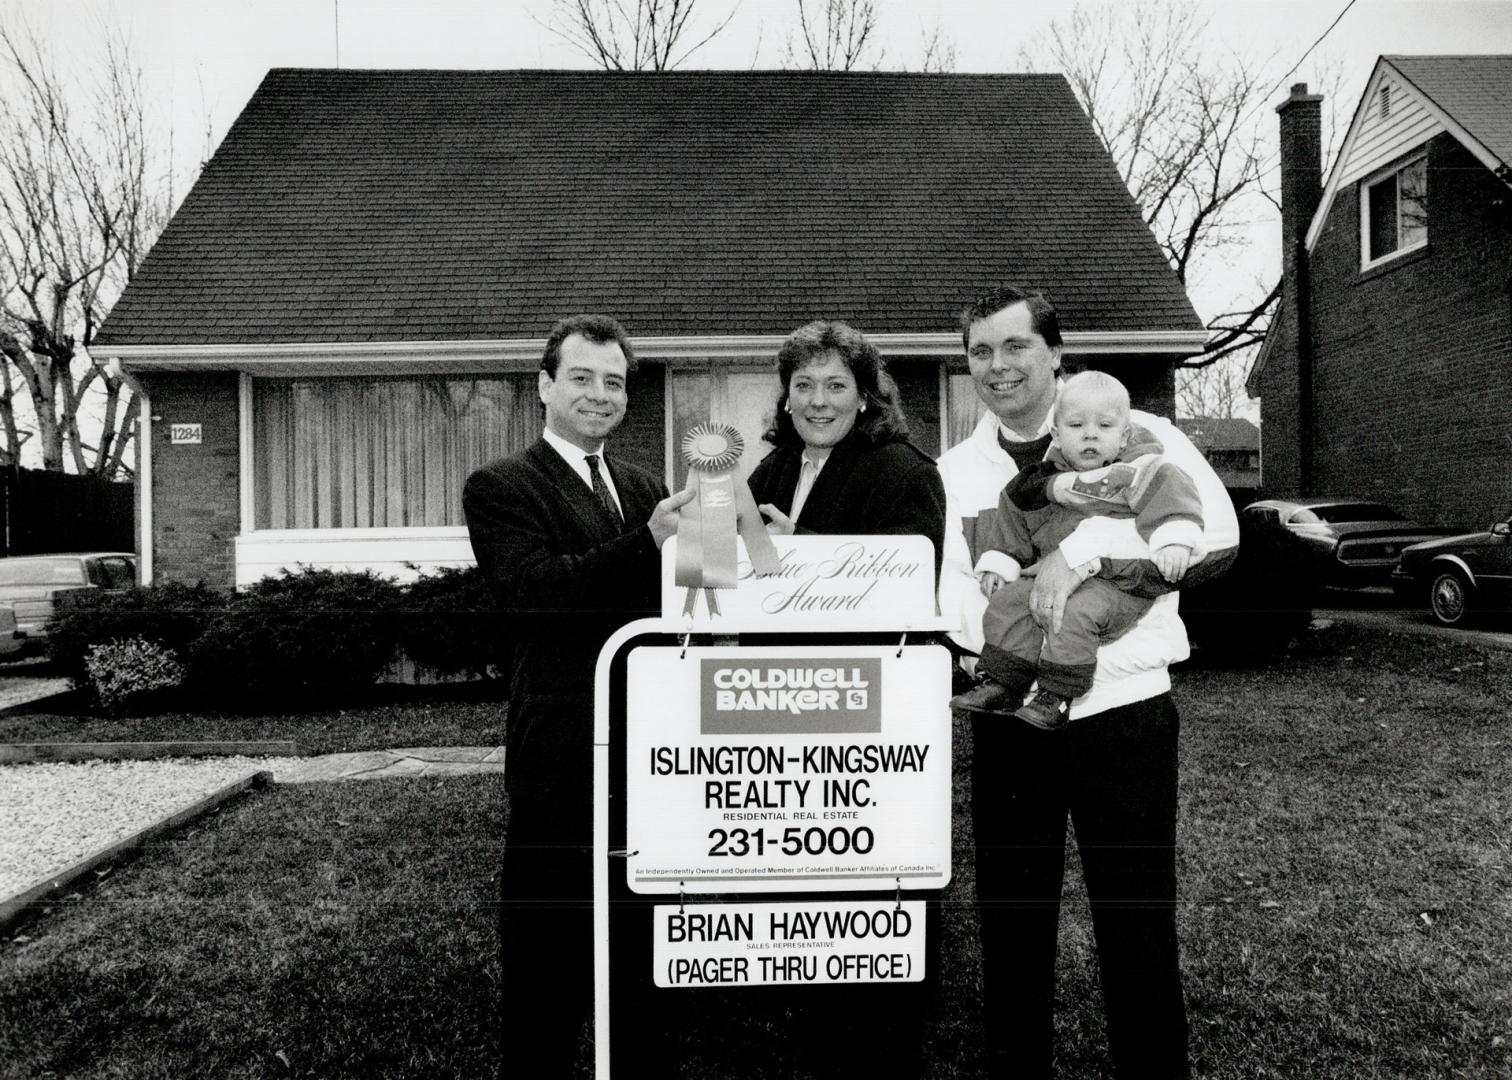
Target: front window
(1394, 211)
(744, 399)
(963, 408)
(333, 453)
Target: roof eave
(493, 355)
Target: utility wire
(1265, 98)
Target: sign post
(819, 771)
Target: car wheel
(1449, 598)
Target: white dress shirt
(576, 458)
(807, 474)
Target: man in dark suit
(569, 541)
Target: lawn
(466, 715)
(1346, 907)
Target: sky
(202, 59)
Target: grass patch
(1346, 895)
(320, 930)
(441, 717)
(1346, 879)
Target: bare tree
(633, 35)
(837, 35)
(81, 200)
(939, 51)
(1214, 390)
(1184, 123)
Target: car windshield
(1341, 513)
(41, 572)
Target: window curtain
(962, 408)
(381, 453)
(744, 399)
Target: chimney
(1301, 166)
(1301, 188)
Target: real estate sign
(788, 769)
(811, 943)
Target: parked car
(1347, 542)
(1459, 576)
(11, 641)
(31, 584)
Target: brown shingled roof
(1475, 90)
(452, 205)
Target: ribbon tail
(690, 553)
(712, 599)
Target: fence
(44, 511)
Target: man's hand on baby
(990, 582)
(1172, 561)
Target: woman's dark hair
(883, 420)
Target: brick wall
(196, 511)
(1413, 359)
(1280, 433)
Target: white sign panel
(808, 944)
(187, 434)
(755, 769)
(826, 583)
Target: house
(1231, 446)
(1388, 371)
(346, 314)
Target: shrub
(300, 638)
(133, 674)
(170, 615)
(451, 623)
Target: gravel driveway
(53, 815)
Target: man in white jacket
(1112, 769)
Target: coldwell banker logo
(836, 694)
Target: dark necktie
(601, 489)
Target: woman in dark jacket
(841, 445)
(842, 463)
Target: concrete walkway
(382, 764)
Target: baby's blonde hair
(1098, 383)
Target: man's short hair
(1093, 382)
(1042, 314)
(599, 329)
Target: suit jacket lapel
(635, 502)
(575, 494)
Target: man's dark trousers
(1114, 775)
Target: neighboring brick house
(1387, 373)
(1231, 446)
(351, 302)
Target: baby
(1098, 463)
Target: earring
(788, 408)
(862, 408)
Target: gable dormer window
(1394, 211)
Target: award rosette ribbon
(708, 523)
